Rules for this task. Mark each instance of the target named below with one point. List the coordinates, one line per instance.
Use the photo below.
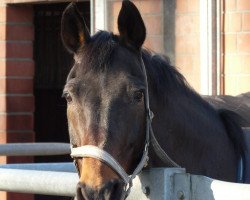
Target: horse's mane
(167, 81)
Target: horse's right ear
(74, 31)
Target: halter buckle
(150, 114)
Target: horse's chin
(111, 190)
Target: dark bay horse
(107, 93)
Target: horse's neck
(181, 127)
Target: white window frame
(210, 47)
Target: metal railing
(61, 178)
(34, 149)
(156, 184)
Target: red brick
(181, 6)
(15, 137)
(153, 25)
(237, 84)
(243, 5)
(230, 43)
(21, 14)
(3, 160)
(155, 44)
(149, 6)
(187, 24)
(233, 63)
(193, 80)
(17, 104)
(16, 49)
(16, 122)
(245, 66)
(19, 50)
(19, 32)
(16, 86)
(187, 44)
(3, 195)
(17, 68)
(243, 43)
(19, 196)
(193, 6)
(2, 31)
(114, 27)
(20, 159)
(230, 5)
(2, 13)
(187, 63)
(3, 49)
(115, 8)
(244, 83)
(233, 22)
(246, 22)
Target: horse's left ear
(130, 25)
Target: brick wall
(236, 46)
(187, 41)
(186, 32)
(16, 82)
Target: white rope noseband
(97, 153)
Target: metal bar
(92, 17)
(218, 46)
(207, 45)
(197, 187)
(34, 149)
(59, 167)
(156, 184)
(38, 182)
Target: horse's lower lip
(111, 190)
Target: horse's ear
(74, 31)
(130, 25)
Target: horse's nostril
(112, 190)
(84, 192)
(79, 195)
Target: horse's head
(105, 94)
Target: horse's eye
(67, 97)
(138, 96)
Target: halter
(100, 154)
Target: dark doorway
(53, 63)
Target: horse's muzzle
(111, 190)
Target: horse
(128, 108)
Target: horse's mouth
(111, 190)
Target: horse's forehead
(120, 66)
